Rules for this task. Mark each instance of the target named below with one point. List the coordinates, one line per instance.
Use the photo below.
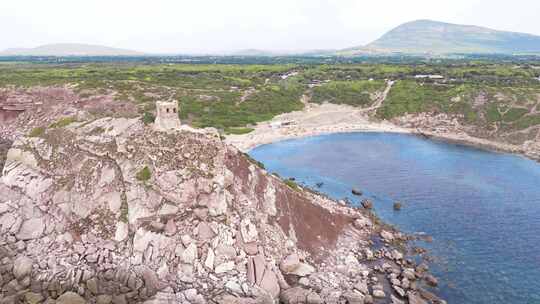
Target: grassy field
(235, 97)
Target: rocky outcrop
(110, 211)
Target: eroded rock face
(111, 211)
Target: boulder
(31, 229)
(356, 191)
(170, 228)
(150, 279)
(205, 232)
(415, 298)
(296, 295)
(22, 267)
(397, 206)
(249, 231)
(70, 298)
(387, 236)
(210, 257)
(431, 280)
(269, 283)
(377, 293)
(303, 270)
(190, 254)
(361, 223)
(224, 267)
(354, 297)
(290, 263)
(122, 230)
(367, 204)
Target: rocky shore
(110, 211)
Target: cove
(481, 208)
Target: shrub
(238, 131)
(63, 122)
(148, 118)
(37, 132)
(291, 184)
(144, 175)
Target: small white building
(167, 118)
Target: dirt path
(379, 102)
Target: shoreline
(354, 121)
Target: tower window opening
(167, 110)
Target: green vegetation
(63, 122)
(235, 97)
(37, 132)
(144, 174)
(238, 131)
(292, 184)
(356, 93)
(148, 118)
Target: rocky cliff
(109, 211)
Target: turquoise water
(481, 208)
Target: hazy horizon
(204, 26)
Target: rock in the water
(70, 298)
(356, 191)
(431, 280)
(367, 204)
(397, 206)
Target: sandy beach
(331, 118)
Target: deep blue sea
(481, 208)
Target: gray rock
(92, 286)
(31, 229)
(190, 254)
(150, 280)
(104, 299)
(377, 293)
(224, 267)
(22, 267)
(354, 297)
(70, 298)
(290, 263)
(415, 298)
(205, 231)
(431, 280)
(362, 287)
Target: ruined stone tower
(166, 116)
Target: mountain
(427, 36)
(69, 49)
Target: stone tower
(167, 116)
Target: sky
(216, 26)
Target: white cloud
(217, 25)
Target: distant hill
(69, 49)
(427, 36)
